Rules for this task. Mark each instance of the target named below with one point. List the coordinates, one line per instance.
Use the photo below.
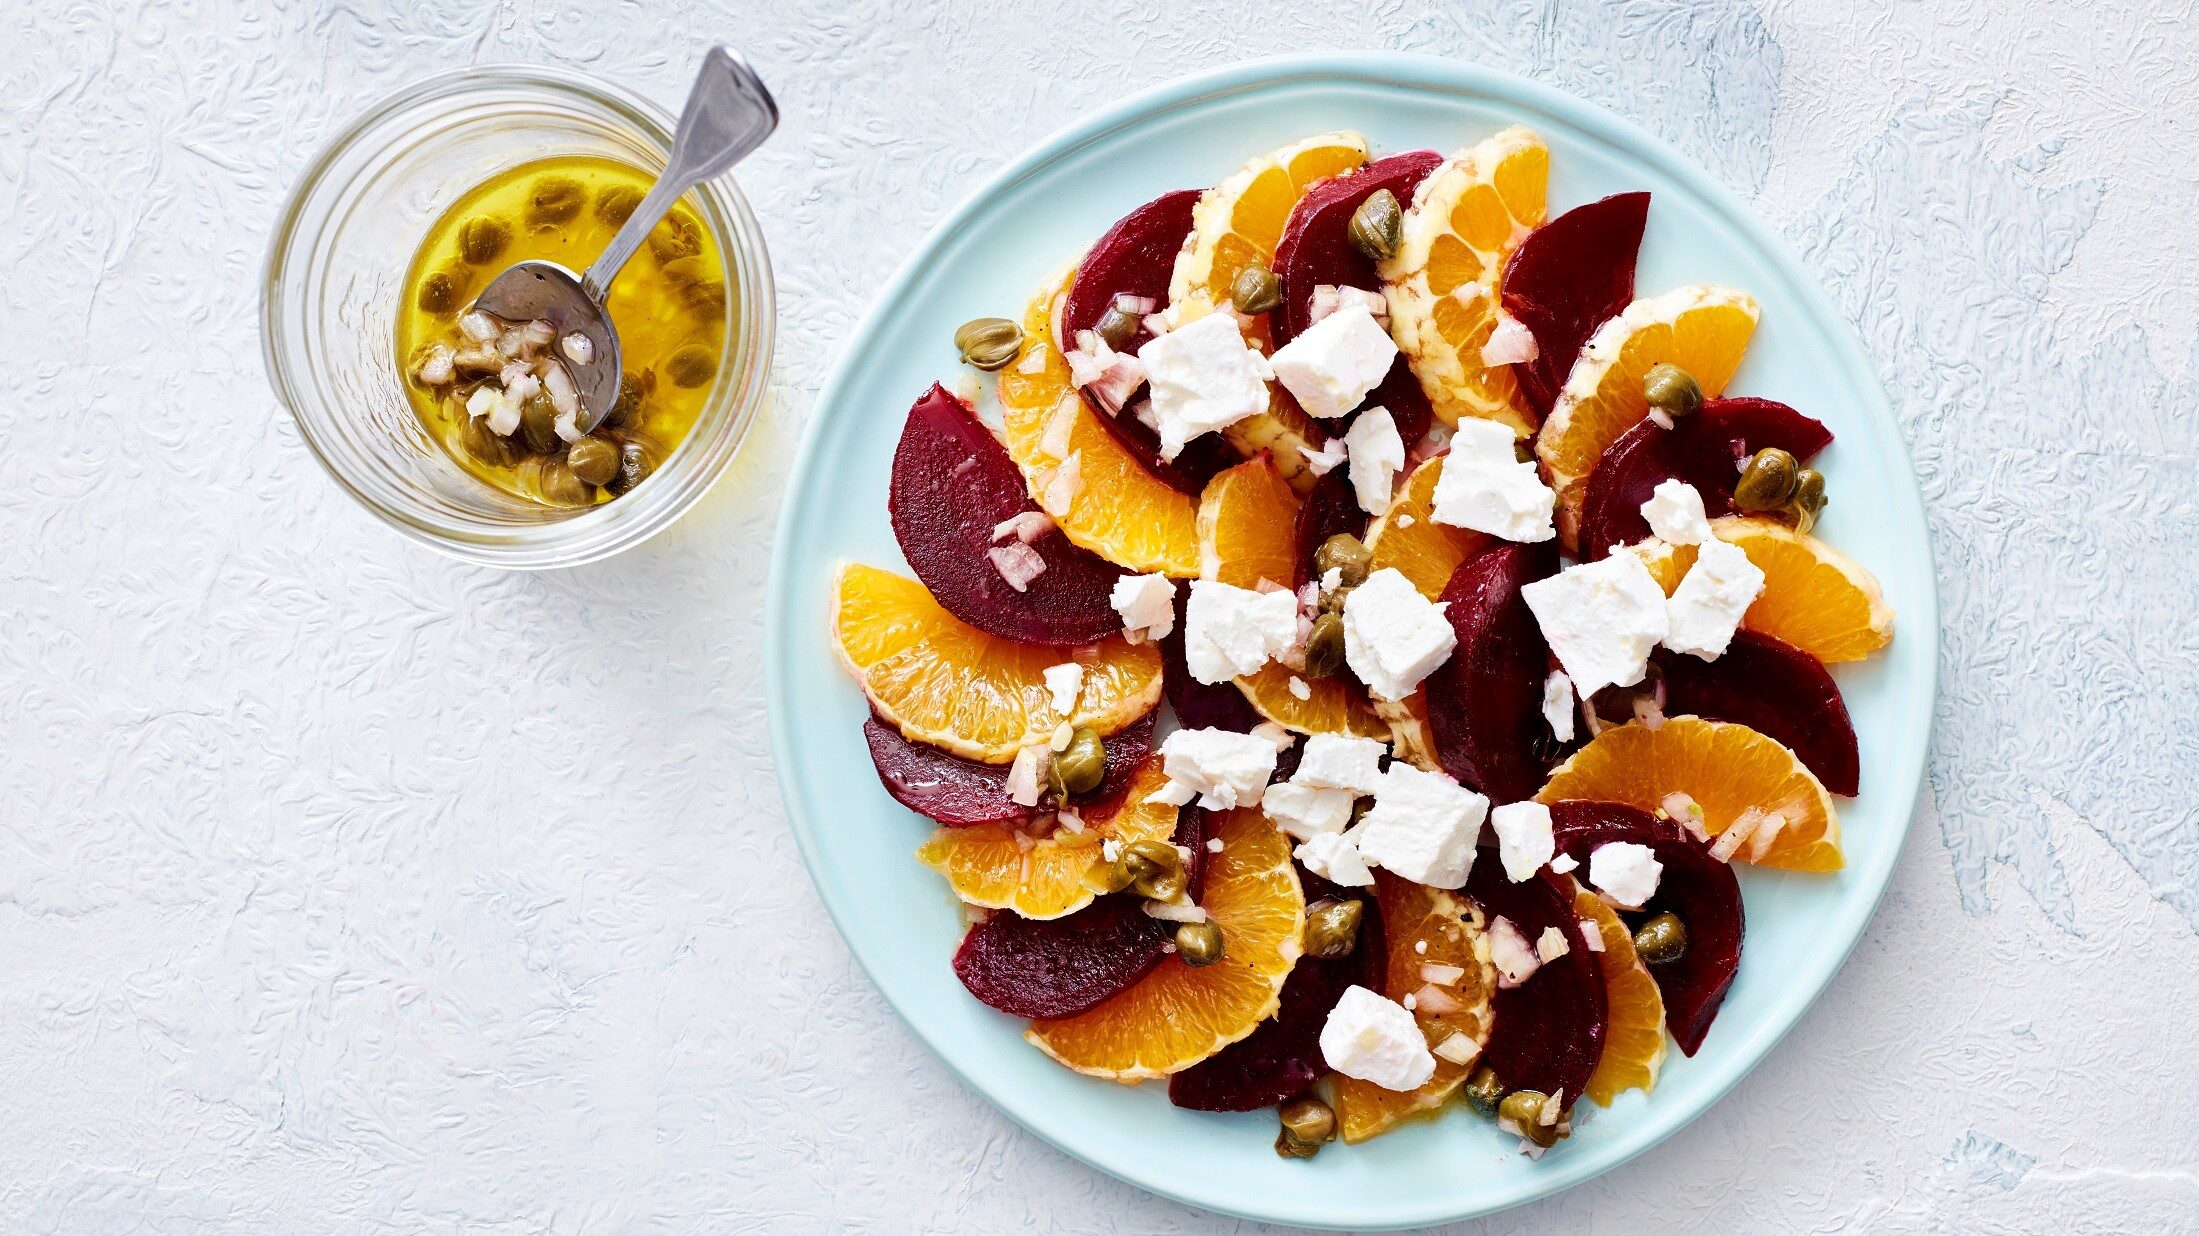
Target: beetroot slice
(1485, 703)
(1567, 278)
(1191, 834)
(953, 483)
(1696, 887)
(1776, 689)
(1705, 450)
(1330, 510)
(1547, 1033)
(1136, 257)
(960, 793)
(1198, 705)
(1061, 966)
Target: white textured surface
(346, 889)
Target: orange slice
(1729, 770)
(1634, 1041)
(1046, 874)
(1451, 928)
(1105, 501)
(953, 686)
(1466, 218)
(1177, 1015)
(1408, 537)
(1701, 328)
(1815, 597)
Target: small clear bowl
(335, 273)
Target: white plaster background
(346, 889)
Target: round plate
(987, 258)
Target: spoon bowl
(545, 291)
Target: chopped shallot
(1060, 424)
(578, 349)
(1061, 487)
(482, 401)
(1511, 343)
(1019, 564)
(1174, 913)
(1737, 835)
(1446, 975)
(1435, 1001)
(1025, 526)
(1515, 959)
(1592, 935)
(479, 327)
(1027, 776)
(1458, 1049)
(437, 369)
(1140, 305)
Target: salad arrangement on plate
(1489, 630)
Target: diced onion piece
(482, 401)
(1435, 1001)
(1140, 305)
(1444, 975)
(1730, 841)
(1054, 439)
(1062, 485)
(1027, 776)
(479, 326)
(1025, 526)
(1019, 564)
(578, 348)
(1458, 1049)
(436, 368)
(1516, 960)
(564, 396)
(1174, 913)
(1592, 935)
(1511, 343)
(1552, 1108)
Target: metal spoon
(728, 114)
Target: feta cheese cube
(1393, 636)
(1625, 872)
(1523, 838)
(1334, 858)
(1203, 378)
(1230, 631)
(1557, 705)
(1564, 864)
(1675, 513)
(1422, 826)
(1147, 604)
(1064, 683)
(1341, 762)
(1707, 606)
(1602, 619)
(1376, 453)
(1376, 1040)
(1305, 812)
(1485, 486)
(1224, 769)
(1332, 364)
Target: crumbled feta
(1376, 1040)
(1305, 812)
(1323, 461)
(1147, 604)
(1625, 872)
(1515, 959)
(1551, 945)
(1557, 705)
(1393, 636)
(1422, 826)
(1225, 770)
(1334, 858)
(1523, 838)
(1485, 486)
(1564, 864)
(1341, 762)
(1602, 619)
(1230, 631)
(1331, 580)
(1203, 378)
(1675, 513)
(1332, 364)
(1707, 606)
(1064, 682)
(1510, 343)
(1376, 453)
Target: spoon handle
(728, 114)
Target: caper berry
(1158, 869)
(1291, 1148)
(635, 463)
(1767, 481)
(1198, 944)
(675, 236)
(559, 487)
(1255, 290)
(1325, 646)
(634, 390)
(988, 343)
(1332, 928)
(1672, 389)
(486, 445)
(482, 239)
(1484, 1092)
(1308, 1120)
(554, 200)
(538, 424)
(1345, 554)
(1118, 326)
(443, 291)
(1081, 766)
(1524, 1109)
(692, 365)
(615, 205)
(593, 460)
(1662, 940)
(1377, 226)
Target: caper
(705, 298)
(1346, 555)
(1809, 499)
(443, 291)
(635, 462)
(1158, 868)
(1484, 1092)
(1767, 481)
(593, 460)
(1081, 766)
(1115, 874)
(559, 487)
(554, 200)
(634, 390)
(692, 365)
(487, 445)
(1332, 928)
(1662, 940)
(1255, 290)
(1673, 389)
(615, 205)
(1308, 1120)
(1118, 326)
(988, 343)
(1291, 1148)
(482, 238)
(1524, 1109)
(1325, 645)
(675, 236)
(1198, 944)
(538, 424)
(1377, 226)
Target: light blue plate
(987, 258)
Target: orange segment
(1634, 1041)
(1815, 597)
(1701, 328)
(1466, 218)
(1333, 705)
(1111, 505)
(1729, 770)
(1177, 1016)
(1046, 873)
(959, 689)
(1451, 928)
(1408, 537)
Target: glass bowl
(335, 271)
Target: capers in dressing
(1673, 390)
(443, 291)
(1255, 290)
(1524, 1109)
(1378, 226)
(593, 460)
(1345, 554)
(482, 240)
(1662, 940)
(1118, 326)
(1198, 944)
(1307, 1120)
(1767, 481)
(691, 366)
(1081, 766)
(988, 343)
(615, 205)
(555, 200)
(1809, 499)
(1159, 869)
(1325, 646)
(1332, 928)
(1484, 1092)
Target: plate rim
(1410, 72)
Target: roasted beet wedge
(1199, 706)
(1777, 690)
(960, 793)
(1705, 450)
(1283, 1056)
(953, 484)
(1061, 966)
(1485, 703)
(1330, 510)
(1567, 278)
(1696, 887)
(1547, 1033)
(1191, 833)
